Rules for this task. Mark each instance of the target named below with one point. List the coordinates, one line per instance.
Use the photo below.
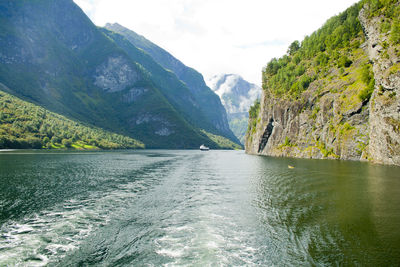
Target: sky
(219, 36)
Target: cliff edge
(337, 95)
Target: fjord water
(193, 208)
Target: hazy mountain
(237, 95)
(205, 98)
(53, 55)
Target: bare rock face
(384, 120)
(161, 126)
(309, 128)
(134, 94)
(115, 75)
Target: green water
(193, 208)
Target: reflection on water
(195, 208)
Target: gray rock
(133, 94)
(115, 74)
(384, 120)
(318, 125)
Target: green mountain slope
(51, 54)
(319, 99)
(170, 86)
(25, 125)
(208, 102)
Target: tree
(67, 142)
(295, 46)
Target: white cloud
(219, 36)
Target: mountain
(52, 55)
(337, 93)
(173, 89)
(237, 95)
(208, 102)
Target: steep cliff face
(350, 107)
(319, 125)
(384, 120)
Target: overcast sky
(219, 36)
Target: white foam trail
(41, 238)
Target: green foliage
(286, 143)
(348, 127)
(326, 152)
(366, 74)
(395, 32)
(344, 61)
(390, 10)
(300, 70)
(301, 84)
(321, 60)
(25, 125)
(367, 77)
(385, 26)
(254, 109)
(294, 47)
(366, 93)
(253, 116)
(315, 112)
(292, 74)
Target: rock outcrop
(384, 119)
(333, 118)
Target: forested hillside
(25, 125)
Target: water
(192, 208)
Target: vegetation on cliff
(25, 125)
(327, 48)
(318, 94)
(253, 115)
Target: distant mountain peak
(237, 94)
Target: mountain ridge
(209, 103)
(53, 55)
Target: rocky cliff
(384, 115)
(340, 97)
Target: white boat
(204, 148)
